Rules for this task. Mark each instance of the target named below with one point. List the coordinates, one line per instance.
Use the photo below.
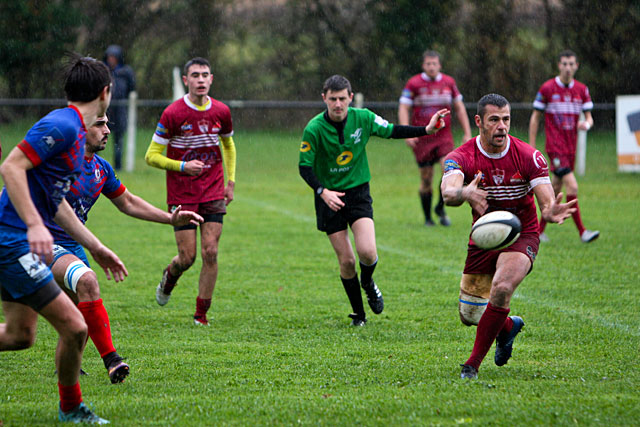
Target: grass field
(280, 351)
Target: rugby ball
(496, 230)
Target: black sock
(366, 271)
(352, 288)
(425, 198)
(440, 205)
(109, 358)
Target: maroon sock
(576, 215)
(491, 322)
(70, 396)
(202, 306)
(542, 225)
(171, 282)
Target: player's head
(493, 119)
(197, 76)
(567, 65)
(431, 63)
(337, 94)
(86, 79)
(97, 135)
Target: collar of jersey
(493, 155)
(426, 78)
(559, 82)
(204, 107)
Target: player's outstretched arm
(137, 207)
(455, 193)
(437, 121)
(14, 173)
(107, 259)
(550, 207)
(534, 122)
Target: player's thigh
(210, 233)
(364, 236)
(570, 184)
(511, 269)
(20, 322)
(186, 240)
(478, 285)
(64, 316)
(342, 245)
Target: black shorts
(37, 300)
(357, 204)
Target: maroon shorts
(429, 153)
(482, 261)
(205, 208)
(562, 164)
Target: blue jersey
(97, 177)
(55, 147)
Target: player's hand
(558, 212)
(110, 263)
(411, 142)
(228, 192)
(476, 197)
(584, 125)
(180, 218)
(193, 167)
(437, 121)
(332, 199)
(40, 242)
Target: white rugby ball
(496, 230)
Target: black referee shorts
(357, 204)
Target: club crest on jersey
(344, 158)
(305, 146)
(203, 125)
(356, 135)
(97, 175)
(498, 176)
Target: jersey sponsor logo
(381, 122)
(498, 176)
(208, 158)
(531, 253)
(186, 128)
(357, 135)
(450, 165)
(540, 161)
(344, 158)
(305, 146)
(32, 265)
(50, 140)
(517, 178)
(555, 97)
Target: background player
(70, 266)
(37, 174)
(191, 129)
(496, 171)
(423, 95)
(333, 162)
(562, 99)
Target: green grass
(280, 350)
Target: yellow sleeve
(155, 158)
(229, 157)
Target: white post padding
(131, 131)
(581, 150)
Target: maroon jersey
(192, 132)
(426, 96)
(508, 177)
(562, 106)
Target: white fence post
(178, 87)
(581, 150)
(358, 100)
(131, 131)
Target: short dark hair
(197, 60)
(567, 53)
(430, 54)
(336, 83)
(85, 78)
(491, 99)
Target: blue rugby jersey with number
(97, 177)
(55, 147)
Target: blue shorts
(21, 272)
(69, 248)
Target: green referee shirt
(341, 166)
